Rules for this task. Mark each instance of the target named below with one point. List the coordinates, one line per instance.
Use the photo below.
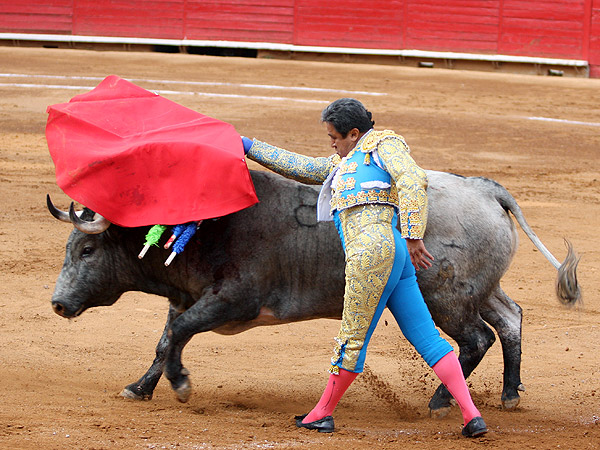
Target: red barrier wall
(594, 42)
(352, 23)
(564, 29)
(158, 19)
(468, 26)
(36, 16)
(553, 28)
(240, 20)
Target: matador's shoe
(324, 425)
(475, 428)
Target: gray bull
(273, 263)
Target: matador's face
(342, 145)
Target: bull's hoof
(511, 400)
(510, 404)
(440, 413)
(184, 391)
(440, 409)
(132, 395)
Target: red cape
(138, 159)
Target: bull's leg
(501, 312)
(143, 388)
(474, 338)
(205, 315)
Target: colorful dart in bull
(177, 230)
(189, 229)
(152, 238)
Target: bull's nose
(64, 308)
(58, 308)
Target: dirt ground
(60, 379)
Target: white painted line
(165, 92)
(56, 77)
(197, 83)
(570, 122)
(46, 86)
(217, 95)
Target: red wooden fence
(147, 18)
(559, 29)
(36, 16)
(594, 41)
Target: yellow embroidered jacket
(384, 150)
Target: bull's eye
(87, 251)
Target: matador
(369, 187)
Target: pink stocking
(336, 387)
(450, 373)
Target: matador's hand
(419, 256)
(247, 142)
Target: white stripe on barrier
(290, 48)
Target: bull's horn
(95, 227)
(63, 216)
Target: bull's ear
(87, 214)
(95, 226)
(118, 234)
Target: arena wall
(559, 32)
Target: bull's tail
(567, 287)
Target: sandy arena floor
(60, 379)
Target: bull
(274, 263)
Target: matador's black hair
(348, 113)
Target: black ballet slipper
(475, 428)
(324, 425)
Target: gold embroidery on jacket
(346, 185)
(409, 178)
(371, 140)
(363, 197)
(348, 167)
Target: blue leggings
(402, 296)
